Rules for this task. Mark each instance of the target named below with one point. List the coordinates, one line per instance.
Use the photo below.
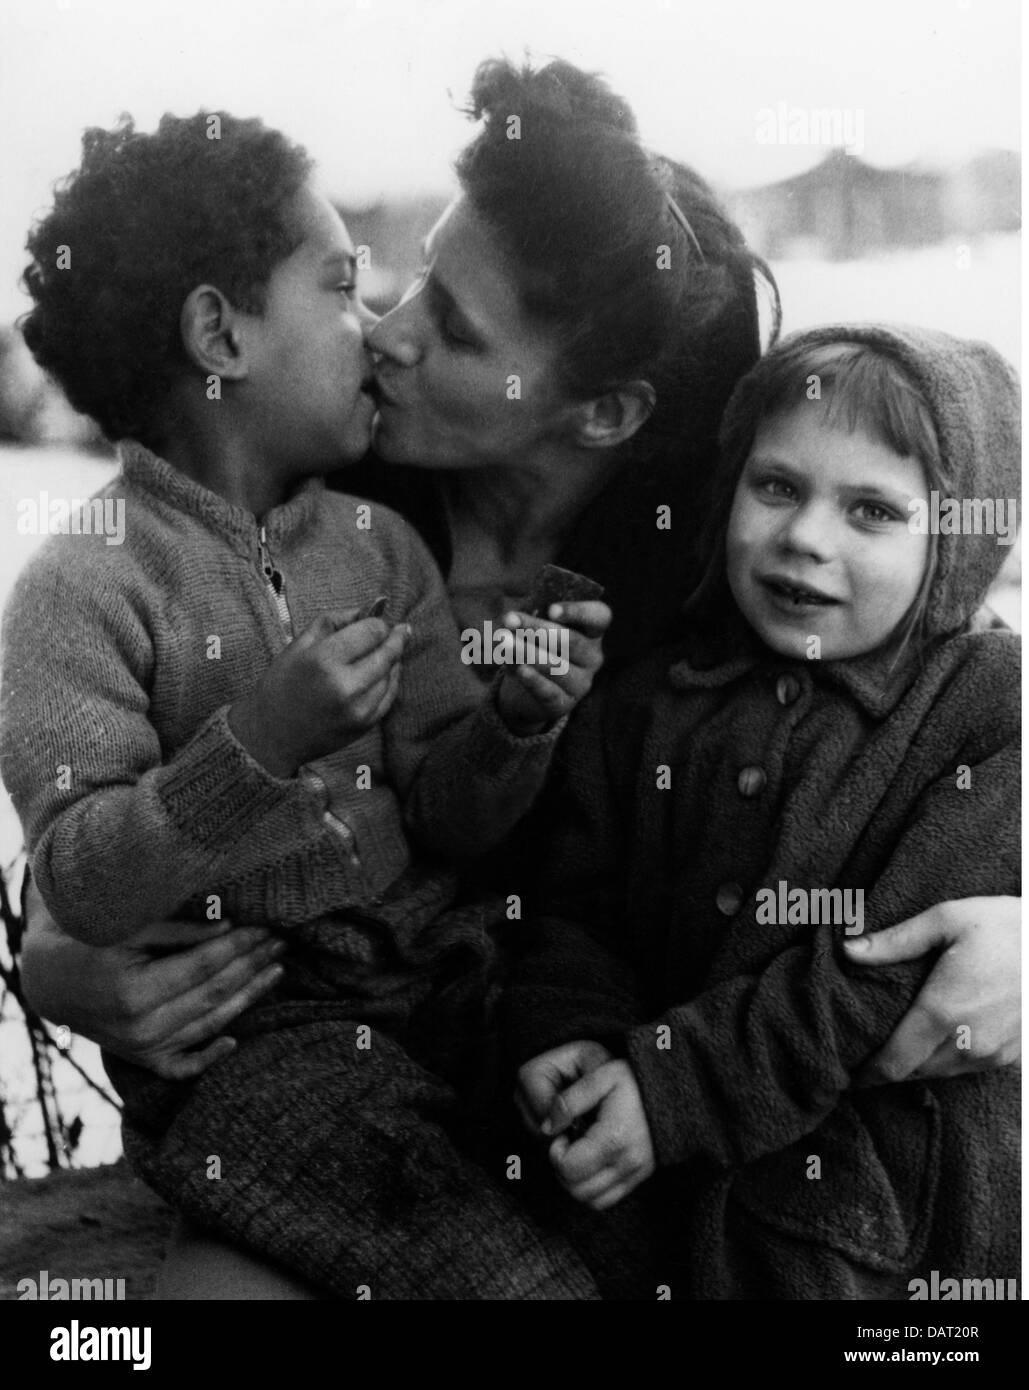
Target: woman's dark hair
(600, 251)
(140, 223)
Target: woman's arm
(153, 1000)
(975, 982)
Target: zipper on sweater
(274, 583)
(276, 587)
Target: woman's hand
(535, 695)
(974, 986)
(174, 986)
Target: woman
(549, 390)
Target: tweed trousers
(348, 1137)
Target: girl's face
(465, 379)
(818, 543)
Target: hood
(973, 396)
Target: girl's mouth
(797, 595)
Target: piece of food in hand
(556, 585)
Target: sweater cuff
(665, 1092)
(219, 793)
(494, 750)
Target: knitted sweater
(119, 667)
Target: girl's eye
(347, 287)
(775, 487)
(875, 512)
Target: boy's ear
(611, 419)
(211, 335)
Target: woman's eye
(455, 332)
(347, 287)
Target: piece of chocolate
(556, 585)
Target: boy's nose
(367, 318)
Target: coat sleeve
(574, 980)
(118, 835)
(757, 1061)
(464, 779)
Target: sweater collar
(710, 660)
(157, 477)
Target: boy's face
(307, 365)
(818, 541)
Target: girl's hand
(175, 986)
(974, 985)
(541, 1081)
(616, 1153)
(533, 696)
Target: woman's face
(465, 379)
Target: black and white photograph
(510, 689)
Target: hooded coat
(695, 794)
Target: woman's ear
(209, 328)
(614, 417)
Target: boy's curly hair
(140, 223)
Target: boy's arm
(464, 779)
(755, 1062)
(117, 835)
(572, 979)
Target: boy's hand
(531, 697)
(338, 678)
(616, 1153)
(541, 1081)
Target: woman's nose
(393, 337)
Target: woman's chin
(393, 447)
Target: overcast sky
(370, 85)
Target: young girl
(832, 747)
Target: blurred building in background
(841, 210)
(844, 209)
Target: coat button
(787, 688)
(729, 899)
(751, 781)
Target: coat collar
(158, 478)
(709, 660)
